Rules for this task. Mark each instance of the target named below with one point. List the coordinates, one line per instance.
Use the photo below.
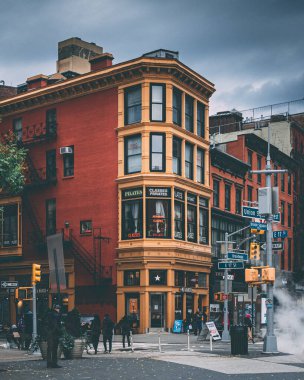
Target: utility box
(265, 201)
(275, 200)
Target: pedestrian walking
(28, 329)
(53, 330)
(248, 324)
(197, 322)
(107, 332)
(125, 326)
(95, 331)
(21, 329)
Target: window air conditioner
(65, 150)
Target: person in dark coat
(28, 329)
(125, 326)
(107, 332)
(95, 331)
(197, 322)
(53, 331)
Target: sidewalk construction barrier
(131, 338)
(188, 340)
(159, 345)
(210, 342)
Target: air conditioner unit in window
(66, 150)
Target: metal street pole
(270, 340)
(225, 334)
(34, 313)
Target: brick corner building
(118, 159)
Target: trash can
(239, 340)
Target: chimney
(101, 61)
(38, 81)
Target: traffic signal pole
(270, 340)
(34, 312)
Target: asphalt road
(115, 368)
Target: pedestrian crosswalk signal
(36, 273)
(219, 296)
(251, 275)
(254, 251)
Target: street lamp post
(270, 340)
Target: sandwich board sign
(213, 331)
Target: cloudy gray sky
(252, 50)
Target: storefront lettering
(179, 194)
(191, 198)
(132, 193)
(186, 290)
(162, 192)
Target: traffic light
(268, 274)
(251, 275)
(219, 296)
(257, 232)
(36, 273)
(254, 251)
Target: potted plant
(71, 342)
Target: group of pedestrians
(20, 334)
(195, 322)
(107, 327)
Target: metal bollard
(210, 342)
(188, 340)
(131, 338)
(159, 345)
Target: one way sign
(9, 284)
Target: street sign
(280, 234)
(231, 265)
(258, 226)
(230, 277)
(253, 212)
(276, 246)
(9, 284)
(237, 256)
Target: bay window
(200, 160)
(157, 102)
(132, 219)
(133, 105)
(191, 223)
(177, 107)
(158, 218)
(157, 152)
(177, 156)
(200, 119)
(133, 154)
(189, 113)
(189, 161)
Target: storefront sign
(179, 194)
(132, 193)
(191, 198)
(133, 305)
(213, 331)
(158, 192)
(186, 290)
(203, 202)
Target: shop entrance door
(157, 310)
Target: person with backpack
(248, 324)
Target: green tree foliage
(12, 165)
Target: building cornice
(113, 76)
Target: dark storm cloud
(252, 50)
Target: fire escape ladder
(85, 258)
(37, 235)
(33, 174)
